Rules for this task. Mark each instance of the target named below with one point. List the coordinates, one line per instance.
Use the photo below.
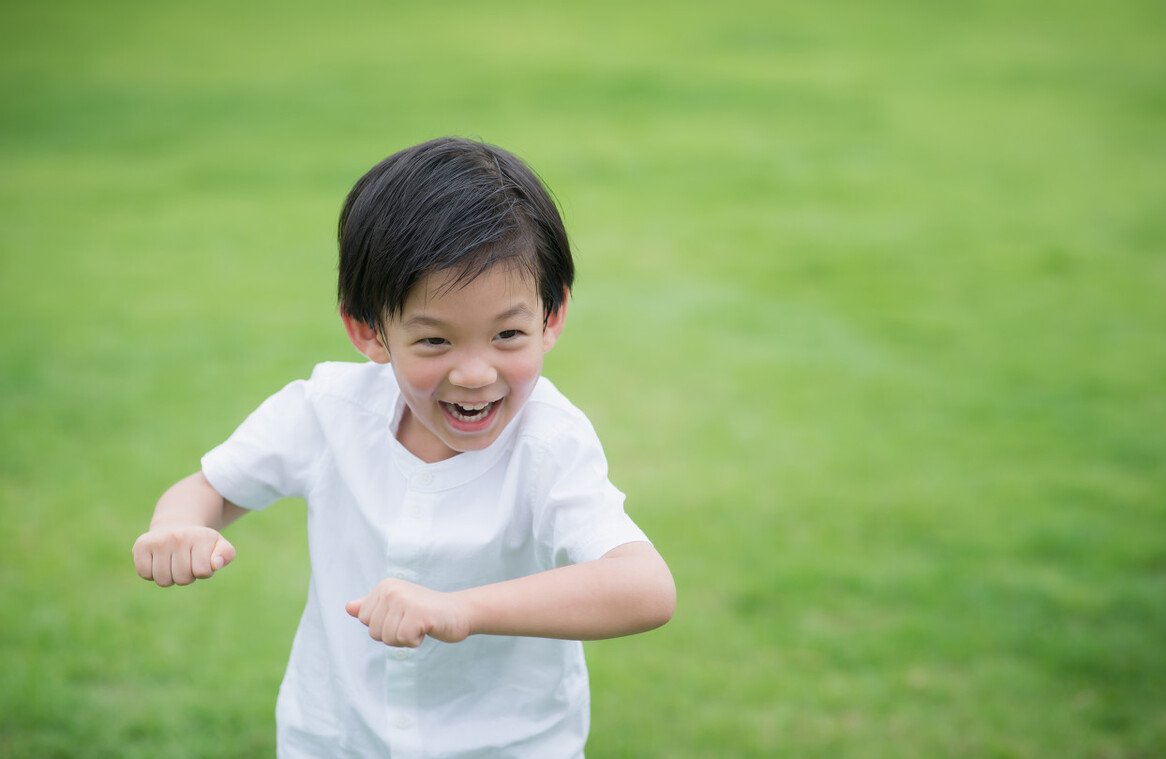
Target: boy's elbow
(660, 600)
(649, 592)
(666, 607)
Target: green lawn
(870, 317)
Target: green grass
(870, 318)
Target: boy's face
(466, 357)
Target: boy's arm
(183, 543)
(628, 590)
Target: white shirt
(537, 498)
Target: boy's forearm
(193, 501)
(628, 590)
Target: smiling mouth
(469, 413)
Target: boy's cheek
(523, 384)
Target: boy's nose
(473, 373)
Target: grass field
(870, 318)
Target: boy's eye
(509, 334)
(432, 342)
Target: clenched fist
(181, 554)
(400, 613)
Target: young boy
(462, 531)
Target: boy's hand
(399, 613)
(180, 555)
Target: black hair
(449, 204)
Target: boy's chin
(468, 443)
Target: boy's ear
(365, 338)
(555, 323)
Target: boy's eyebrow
(424, 320)
(421, 320)
(519, 310)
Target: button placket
(418, 508)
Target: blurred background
(870, 318)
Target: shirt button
(403, 723)
(425, 478)
(401, 654)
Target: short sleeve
(579, 514)
(272, 453)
